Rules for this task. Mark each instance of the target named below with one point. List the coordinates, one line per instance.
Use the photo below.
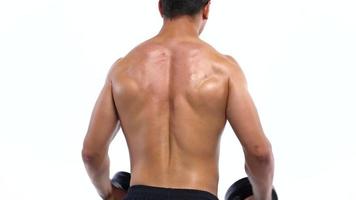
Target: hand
(116, 194)
(110, 197)
(250, 198)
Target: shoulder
(226, 60)
(228, 64)
(115, 68)
(234, 70)
(232, 65)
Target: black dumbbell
(121, 180)
(242, 189)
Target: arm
(243, 117)
(103, 126)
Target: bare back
(172, 96)
(171, 100)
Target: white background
(299, 58)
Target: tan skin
(172, 96)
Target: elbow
(88, 156)
(261, 154)
(265, 154)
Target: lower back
(201, 177)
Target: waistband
(170, 193)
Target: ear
(160, 7)
(206, 11)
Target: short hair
(175, 8)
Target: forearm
(99, 173)
(260, 171)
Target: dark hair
(174, 8)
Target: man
(172, 96)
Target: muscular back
(171, 99)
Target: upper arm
(242, 113)
(104, 123)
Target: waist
(202, 179)
(155, 192)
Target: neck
(183, 26)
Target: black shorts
(144, 192)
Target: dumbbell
(120, 185)
(242, 189)
(121, 180)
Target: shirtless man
(172, 96)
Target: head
(196, 9)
